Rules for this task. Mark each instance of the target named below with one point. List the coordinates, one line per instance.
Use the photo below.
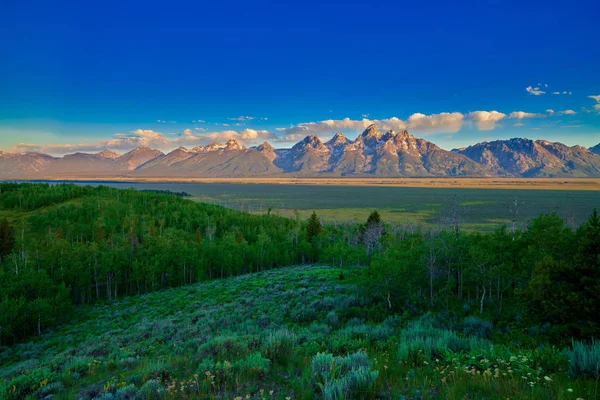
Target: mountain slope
(24, 165)
(372, 153)
(528, 158)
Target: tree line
(67, 245)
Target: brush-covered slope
(222, 338)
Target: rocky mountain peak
(108, 154)
(337, 140)
(232, 144)
(371, 132)
(310, 142)
(265, 147)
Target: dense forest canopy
(66, 245)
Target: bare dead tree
(371, 236)
(513, 208)
(453, 214)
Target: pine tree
(374, 218)
(314, 227)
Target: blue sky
(84, 76)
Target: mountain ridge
(372, 153)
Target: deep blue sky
(81, 72)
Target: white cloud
(518, 124)
(550, 112)
(555, 92)
(443, 122)
(567, 112)
(434, 123)
(152, 139)
(523, 114)
(242, 118)
(536, 91)
(225, 124)
(597, 105)
(486, 120)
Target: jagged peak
(183, 149)
(233, 144)
(371, 132)
(337, 139)
(265, 146)
(106, 153)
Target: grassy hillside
(273, 335)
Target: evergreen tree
(7, 238)
(374, 218)
(314, 227)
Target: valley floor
(464, 183)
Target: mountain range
(372, 153)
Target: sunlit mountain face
(372, 153)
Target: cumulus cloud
(434, 123)
(567, 112)
(523, 114)
(443, 122)
(536, 91)
(486, 120)
(550, 112)
(597, 105)
(152, 139)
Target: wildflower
(271, 392)
(385, 366)
(570, 390)
(547, 378)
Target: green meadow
(481, 209)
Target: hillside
(268, 335)
(119, 294)
(371, 154)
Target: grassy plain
(484, 202)
(259, 336)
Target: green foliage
(374, 218)
(313, 227)
(279, 345)
(343, 377)
(7, 238)
(584, 359)
(421, 340)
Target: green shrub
(476, 327)
(423, 338)
(128, 392)
(343, 377)
(584, 359)
(279, 346)
(151, 390)
(332, 320)
(254, 366)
